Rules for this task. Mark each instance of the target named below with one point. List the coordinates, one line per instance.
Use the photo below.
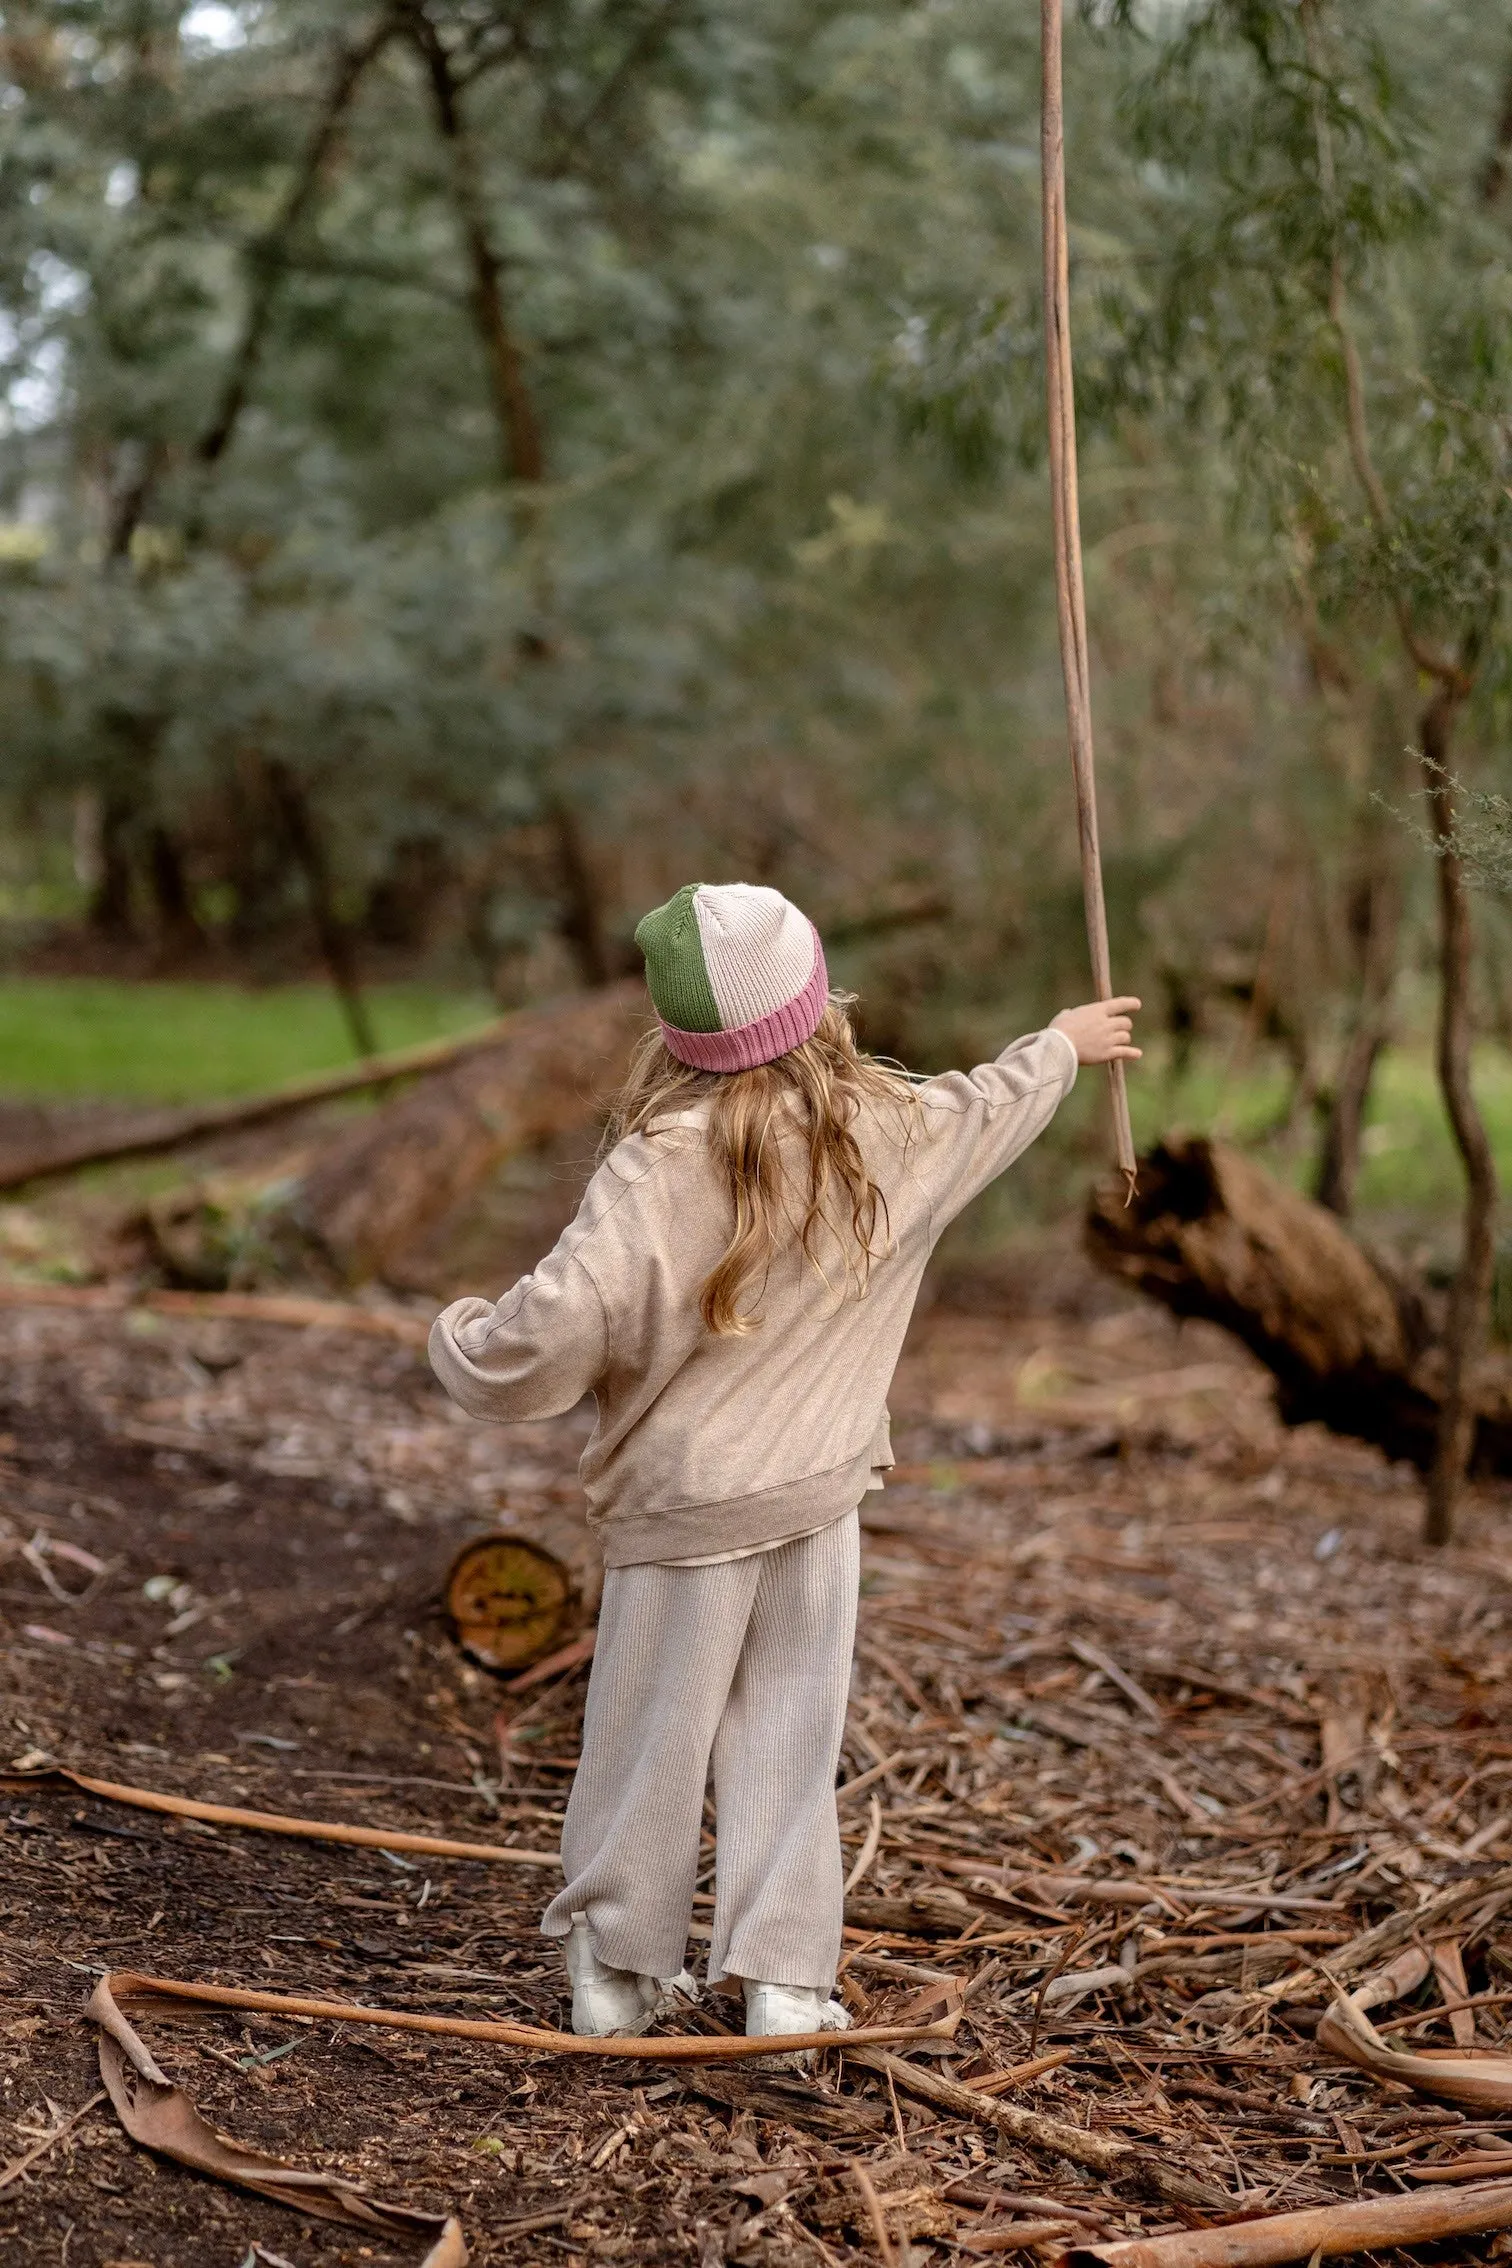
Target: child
(733, 1293)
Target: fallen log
(1211, 1235)
(286, 1308)
(376, 1188)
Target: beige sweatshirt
(708, 1444)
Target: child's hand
(1102, 1031)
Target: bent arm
(533, 1354)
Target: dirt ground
(1115, 1622)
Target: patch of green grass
(1410, 1181)
(1410, 1162)
(87, 1037)
(1410, 1166)
(69, 1037)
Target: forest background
(466, 469)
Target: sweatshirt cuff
(1069, 1045)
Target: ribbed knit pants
(746, 1665)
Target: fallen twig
(152, 1132)
(18, 2166)
(1083, 2148)
(993, 2082)
(233, 1307)
(874, 2214)
(1014, 2235)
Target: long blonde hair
(820, 1088)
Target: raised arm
(977, 1122)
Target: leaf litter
(1199, 1831)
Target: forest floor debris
(1175, 1730)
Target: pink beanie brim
(748, 1045)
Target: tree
(1327, 290)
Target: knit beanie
(736, 974)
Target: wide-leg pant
(747, 1665)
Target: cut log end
(509, 1600)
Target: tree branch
(268, 256)
(522, 454)
(1494, 177)
(1437, 666)
(642, 43)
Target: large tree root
(1211, 1234)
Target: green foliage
(781, 604)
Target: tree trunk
(1211, 1234)
(177, 920)
(1470, 1301)
(1376, 930)
(1339, 1156)
(1494, 174)
(377, 1189)
(581, 922)
(521, 453)
(111, 913)
(336, 945)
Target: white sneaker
(672, 1993)
(772, 2009)
(615, 2003)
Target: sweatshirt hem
(686, 1531)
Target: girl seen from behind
(734, 1292)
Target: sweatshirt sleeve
(977, 1122)
(533, 1354)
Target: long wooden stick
(278, 1823)
(1070, 594)
(127, 1988)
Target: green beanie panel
(676, 975)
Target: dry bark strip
(1210, 1234)
(1324, 2232)
(162, 2118)
(1483, 2082)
